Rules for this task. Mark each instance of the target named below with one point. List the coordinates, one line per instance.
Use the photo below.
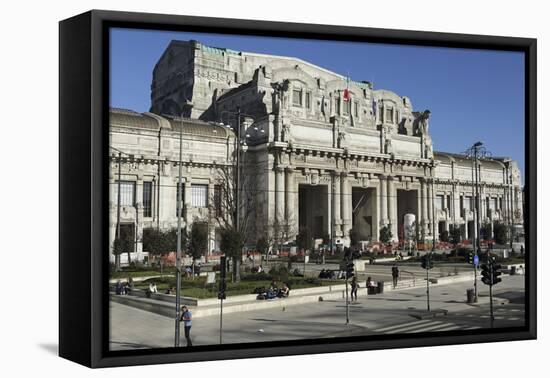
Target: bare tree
(232, 208)
(277, 232)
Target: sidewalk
(164, 304)
(135, 328)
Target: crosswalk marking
(425, 325)
(401, 325)
(439, 328)
(410, 328)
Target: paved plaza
(388, 313)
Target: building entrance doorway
(407, 203)
(313, 209)
(363, 203)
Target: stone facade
(324, 152)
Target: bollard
(470, 296)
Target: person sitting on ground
(369, 282)
(126, 289)
(151, 289)
(118, 288)
(284, 291)
(273, 286)
(169, 290)
(270, 294)
(322, 273)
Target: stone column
(139, 215)
(291, 210)
(429, 186)
(345, 189)
(336, 205)
(383, 195)
(392, 207)
(279, 194)
(211, 223)
(187, 202)
(424, 201)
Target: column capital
(279, 168)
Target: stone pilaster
(383, 195)
(336, 205)
(392, 207)
(424, 201)
(430, 199)
(345, 189)
(291, 211)
(279, 194)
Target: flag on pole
(347, 95)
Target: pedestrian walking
(354, 287)
(395, 275)
(186, 318)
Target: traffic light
(221, 291)
(470, 258)
(496, 273)
(486, 274)
(349, 270)
(427, 262)
(223, 268)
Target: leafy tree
(385, 234)
(198, 240)
(486, 231)
(120, 246)
(158, 242)
(455, 234)
(501, 233)
(231, 243)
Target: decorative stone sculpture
(422, 122)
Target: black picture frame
(83, 196)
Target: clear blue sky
(472, 94)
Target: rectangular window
(337, 105)
(439, 202)
(389, 115)
(347, 106)
(127, 193)
(297, 97)
(199, 195)
(469, 205)
(448, 202)
(178, 190)
(147, 199)
(500, 203)
(381, 113)
(308, 100)
(492, 203)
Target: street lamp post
(241, 145)
(475, 152)
(178, 243)
(117, 235)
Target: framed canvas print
(235, 188)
